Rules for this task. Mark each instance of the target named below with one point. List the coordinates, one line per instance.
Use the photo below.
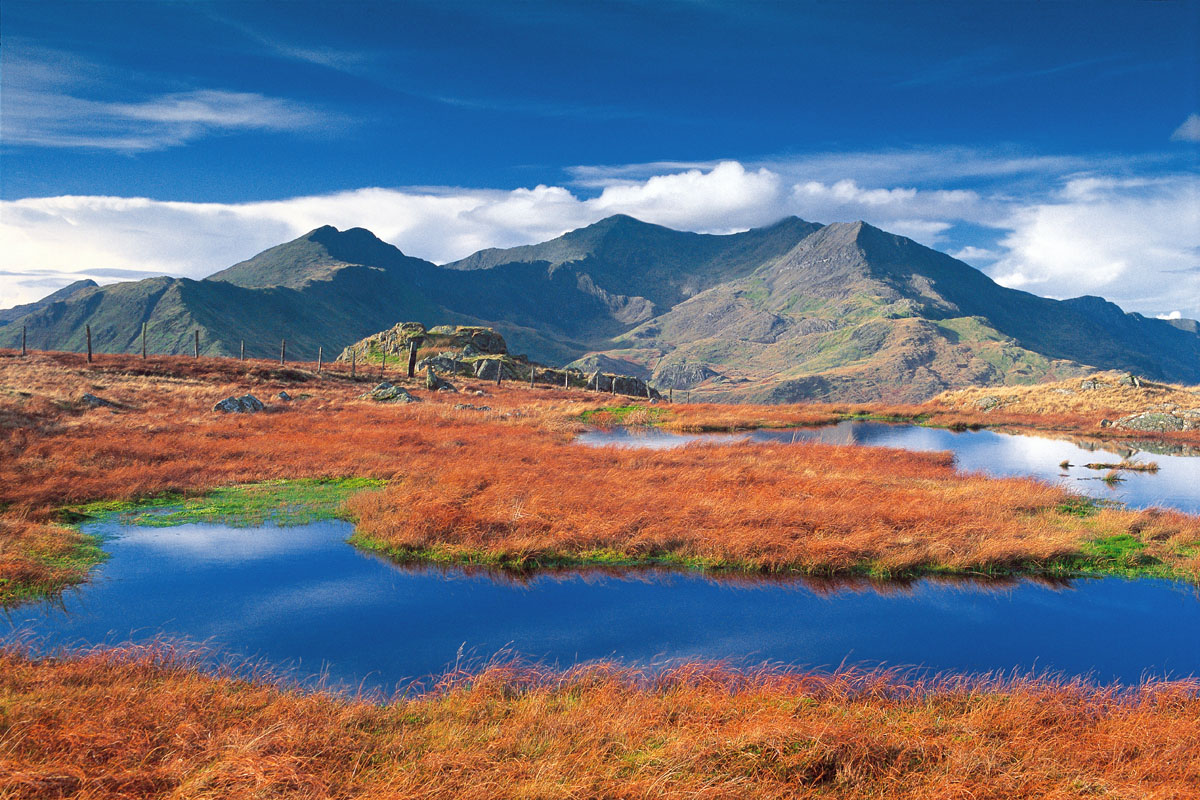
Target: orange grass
(508, 487)
(141, 723)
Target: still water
(1176, 484)
(303, 600)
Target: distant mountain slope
(854, 312)
(16, 312)
(787, 312)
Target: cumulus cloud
(1130, 239)
(1189, 131)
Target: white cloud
(971, 253)
(1171, 315)
(1189, 131)
(1131, 239)
(46, 103)
(1134, 241)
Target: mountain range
(782, 313)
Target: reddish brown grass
(137, 724)
(507, 485)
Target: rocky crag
(447, 351)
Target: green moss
(291, 502)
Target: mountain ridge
(789, 311)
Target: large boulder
(435, 384)
(387, 392)
(488, 368)
(246, 404)
(444, 363)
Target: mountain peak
(313, 256)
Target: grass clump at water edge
(282, 502)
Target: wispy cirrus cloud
(50, 100)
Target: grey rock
(444, 363)
(1159, 422)
(1089, 384)
(386, 392)
(435, 384)
(1106, 423)
(683, 376)
(246, 404)
(1129, 379)
(987, 403)
(285, 397)
(487, 369)
(92, 401)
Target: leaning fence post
(89, 342)
(320, 358)
(197, 349)
(143, 341)
(412, 358)
(532, 371)
(612, 387)
(383, 365)
(282, 351)
(499, 371)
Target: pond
(1175, 485)
(302, 599)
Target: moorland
(489, 476)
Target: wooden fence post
(670, 395)
(532, 371)
(499, 371)
(89, 342)
(353, 361)
(412, 358)
(243, 356)
(383, 365)
(648, 397)
(197, 349)
(282, 352)
(320, 358)
(612, 387)
(565, 379)
(24, 330)
(143, 341)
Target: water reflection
(1176, 484)
(301, 597)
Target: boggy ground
(144, 722)
(506, 487)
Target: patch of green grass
(285, 502)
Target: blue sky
(1053, 145)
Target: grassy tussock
(1110, 399)
(146, 723)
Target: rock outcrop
(387, 392)
(1161, 421)
(246, 404)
